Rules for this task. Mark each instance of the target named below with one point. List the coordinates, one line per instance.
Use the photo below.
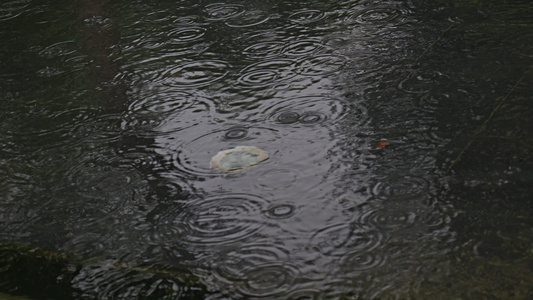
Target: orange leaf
(382, 144)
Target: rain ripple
(164, 101)
(390, 217)
(376, 15)
(267, 73)
(429, 103)
(110, 280)
(100, 192)
(199, 73)
(60, 49)
(356, 261)
(263, 49)
(306, 294)
(173, 109)
(50, 130)
(306, 16)
(401, 188)
(280, 211)
(268, 279)
(310, 110)
(222, 219)
(164, 108)
(12, 9)
(302, 47)
(337, 239)
(421, 83)
(257, 270)
(166, 229)
(277, 179)
(249, 19)
(223, 11)
(187, 34)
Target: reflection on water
(399, 157)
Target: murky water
(398, 133)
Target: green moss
(10, 297)
(40, 274)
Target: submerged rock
(238, 158)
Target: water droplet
(288, 117)
(421, 83)
(311, 118)
(281, 211)
(237, 132)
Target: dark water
(399, 135)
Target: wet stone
(238, 158)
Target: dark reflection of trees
(455, 114)
(48, 171)
(442, 79)
(99, 37)
(489, 162)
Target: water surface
(398, 137)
